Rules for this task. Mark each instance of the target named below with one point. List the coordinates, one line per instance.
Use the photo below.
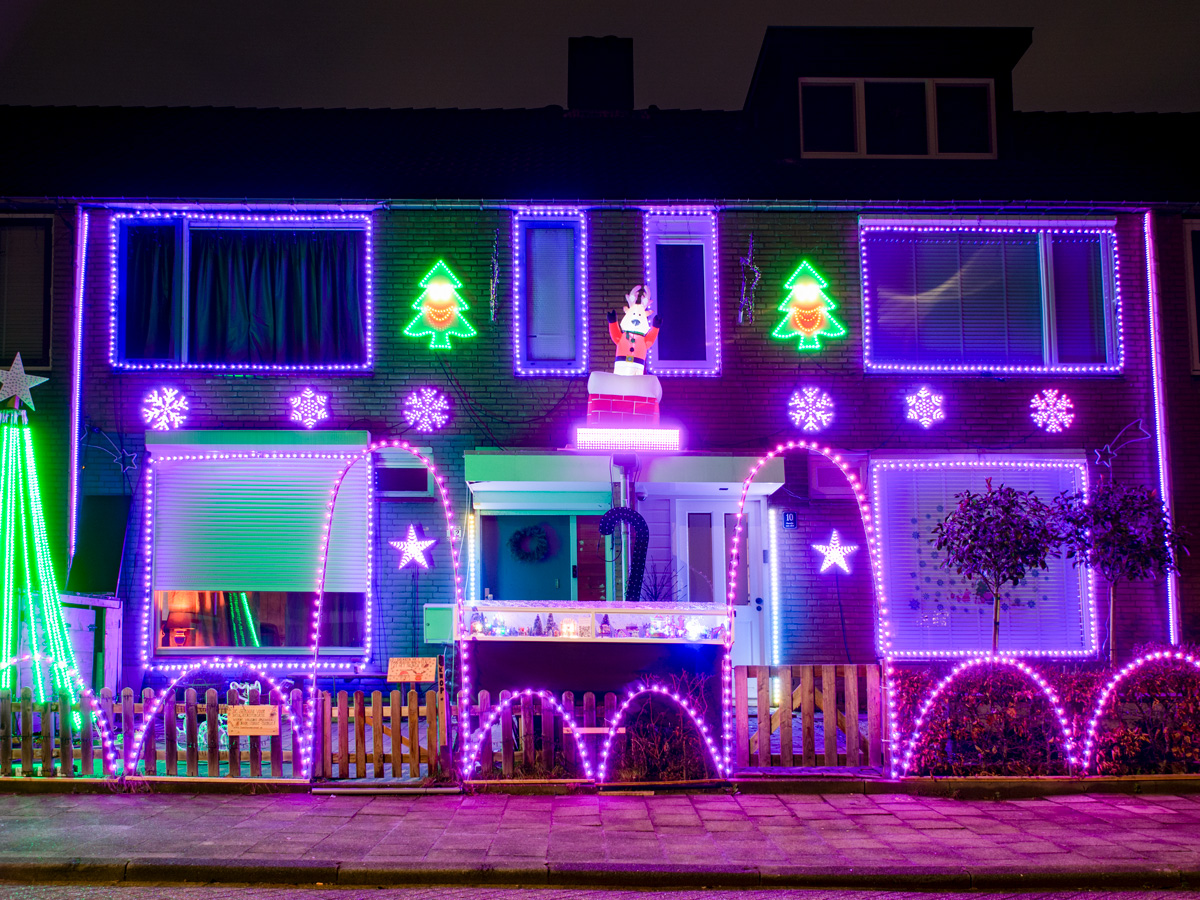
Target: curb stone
(40, 871)
(652, 875)
(1074, 879)
(298, 871)
(867, 878)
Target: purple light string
(474, 742)
(723, 768)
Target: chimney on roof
(600, 73)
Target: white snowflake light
(164, 409)
(925, 407)
(308, 407)
(1052, 410)
(426, 409)
(811, 408)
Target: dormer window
(897, 118)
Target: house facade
(385, 397)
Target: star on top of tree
(16, 384)
(412, 548)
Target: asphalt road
(233, 892)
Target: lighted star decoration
(412, 549)
(835, 553)
(164, 409)
(1106, 454)
(427, 409)
(308, 407)
(1051, 410)
(925, 407)
(811, 408)
(15, 383)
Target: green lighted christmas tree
(440, 309)
(809, 310)
(28, 592)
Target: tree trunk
(995, 620)
(1112, 626)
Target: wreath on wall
(530, 544)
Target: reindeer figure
(636, 333)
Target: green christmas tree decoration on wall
(809, 310)
(440, 309)
(29, 604)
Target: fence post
(106, 709)
(6, 735)
(149, 738)
(808, 737)
(786, 756)
(741, 714)
(86, 757)
(762, 682)
(528, 741)
(414, 735)
(276, 751)
(360, 735)
(66, 748)
(255, 740)
(48, 739)
(376, 734)
(616, 745)
(343, 735)
(396, 724)
(170, 733)
(318, 747)
(874, 718)
(127, 731)
(850, 680)
(191, 733)
(569, 752)
(487, 758)
(591, 741)
(548, 717)
(432, 729)
(233, 698)
(507, 750)
(212, 716)
(829, 712)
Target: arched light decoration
(427, 409)
(474, 742)
(864, 510)
(413, 548)
(811, 409)
(901, 766)
(723, 768)
(1052, 410)
(229, 219)
(1089, 744)
(108, 746)
(164, 409)
(924, 407)
(308, 407)
(834, 553)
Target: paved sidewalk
(834, 840)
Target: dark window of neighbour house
(828, 118)
(1195, 249)
(895, 113)
(254, 296)
(682, 302)
(964, 120)
(25, 291)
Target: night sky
(1103, 55)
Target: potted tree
(995, 537)
(1121, 531)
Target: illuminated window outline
(523, 218)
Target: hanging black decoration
(494, 290)
(641, 543)
(746, 304)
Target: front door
(704, 531)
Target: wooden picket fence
(382, 740)
(536, 738)
(844, 693)
(37, 739)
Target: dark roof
(552, 154)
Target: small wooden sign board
(252, 720)
(413, 668)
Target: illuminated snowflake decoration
(426, 409)
(811, 408)
(925, 407)
(165, 409)
(308, 407)
(1052, 410)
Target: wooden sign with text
(252, 721)
(413, 668)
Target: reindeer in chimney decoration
(627, 396)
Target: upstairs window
(242, 292)
(550, 291)
(939, 296)
(681, 273)
(25, 290)
(897, 117)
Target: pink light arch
(701, 727)
(475, 741)
(1089, 744)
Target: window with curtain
(1007, 299)
(681, 276)
(25, 245)
(934, 612)
(193, 293)
(550, 254)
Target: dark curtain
(266, 296)
(149, 306)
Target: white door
(704, 532)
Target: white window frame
(860, 117)
(695, 226)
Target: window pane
(150, 295)
(680, 301)
(964, 119)
(955, 300)
(828, 123)
(895, 112)
(592, 569)
(1079, 299)
(267, 296)
(550, 263)
(25, 292)
(509, 577)
(741, 593)
(700, 557)
(250, 620)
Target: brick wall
(743, 410)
